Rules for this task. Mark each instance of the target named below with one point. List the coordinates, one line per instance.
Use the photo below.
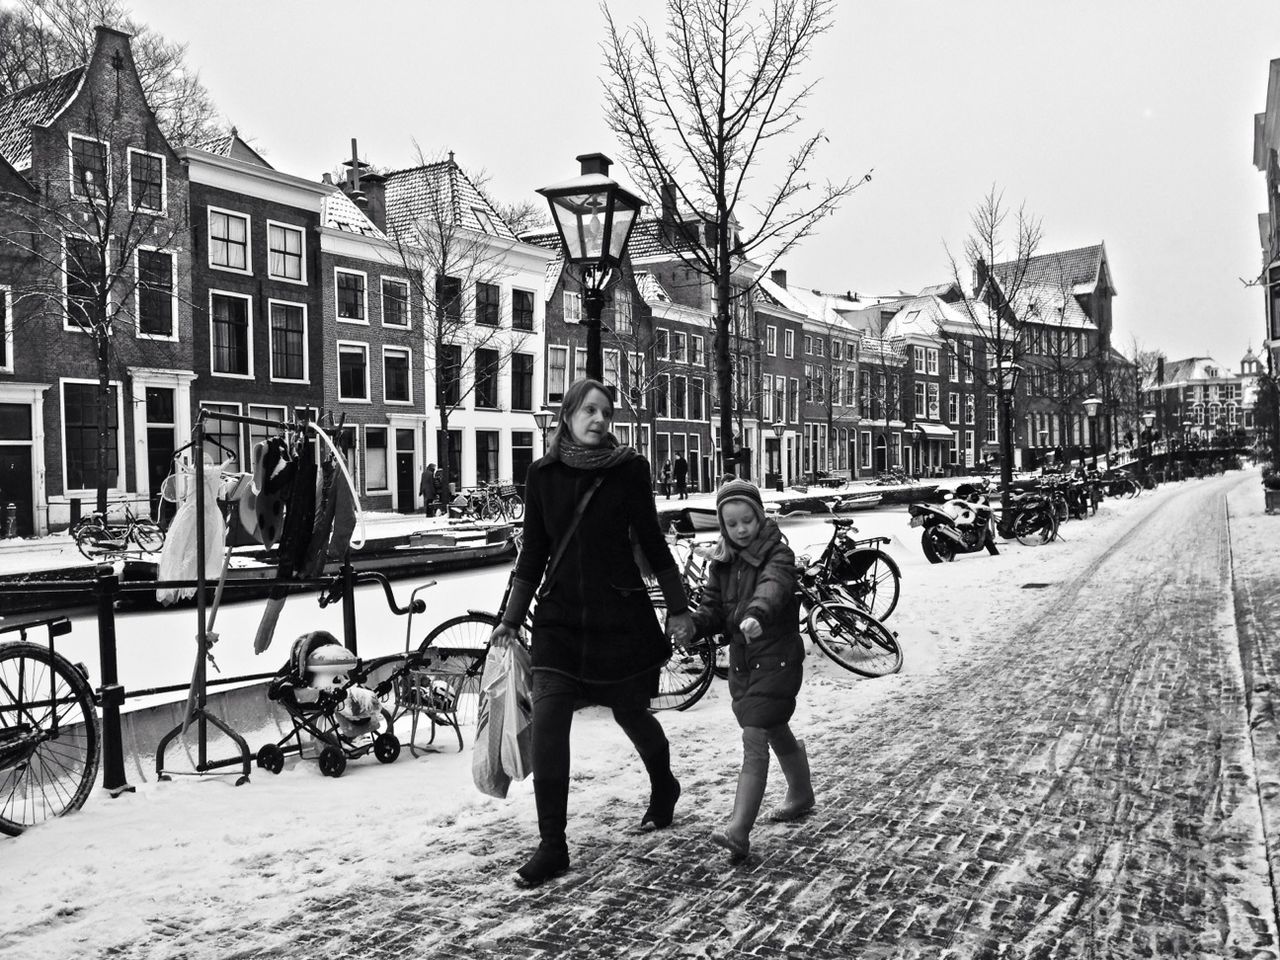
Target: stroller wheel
(271, 758)
(332, 762)
(386, 748)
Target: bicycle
(50, 738)
(509, 501)
(97, 536)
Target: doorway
(15, 488)
(406, 489)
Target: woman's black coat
(594, 619)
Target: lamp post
(1091, 406)
(779, 428)
(1186, 446)
(1145, 439)
(1008, 382)
(594, 217)
(543, 419)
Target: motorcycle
(963, 524)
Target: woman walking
(596, 638)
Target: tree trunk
(102, 454)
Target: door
(406, 488)
(15, 488)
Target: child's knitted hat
(743, 490)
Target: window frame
(271, 347)
(560, 350)
(164, 180)
(533, 364)
(407, 352)
(213, 291)
(476, 379)
(574, 315)
(71, 166)
(931, 360)
(697, 349)
(364, 276)
(138, 291)
(484, 285)
(7, 362)
(67, 325)
(408, 302)
(533, 307)
(789, 344)
(386, 456)
(771, 340)
(247, 270)
(368, 387)
(302, 255)
(121, 464)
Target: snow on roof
(1080, 268)
(440, 192)
(31, 106)
(339, 213)
(651, 288)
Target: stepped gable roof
(31, 106)
(440, 192)
(339, 213)
(1080, 269)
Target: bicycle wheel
(49, 736)
(871, 578)
(147, 535)
(461, 645)
(490, 508)
(853, 638)
(90, 535)
(515, 506)
(686, 675)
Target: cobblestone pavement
(1083, 788)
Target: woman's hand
(504, 636)
(680, 627)
(751, 628)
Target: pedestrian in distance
(442, 491)
(427, 488)
(682, 477)
(666, 479)
(750, 596)
(596, 637)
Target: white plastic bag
(504, 737)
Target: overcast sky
(1123, 121)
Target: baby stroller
(322, 689)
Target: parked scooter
(963, 524)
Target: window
(678, 341)
(375, 459)
(231, 335)
(353, 371)
(522, 381)
(866, 450)
(228, 241)
(920, 401)
(934, 409)
(351, 297)
(572, 307)
(579, 363)
(771, 340)
(146, 180)
(449, 299)
(662, 344)
(780, 398)
(522, 310)
(850, 387)
(397, 375)
(968, 363)
(953, 407)
(488, 304)
(835, 349)
(284, 252)
(612, 360)
(697, 348)
(557, 373)
(88, 168)
(637, 377)
(85, 274)
(661, 397)
(679, 397)
(917, 354)
(6, 331)
(793, 401)
(288, 341)
(953, 366)
(622, 318)
(819, 347)
(155, 294)
(808, 346)
(697, 390)
(789, 343)
(992, 432)
(486, 456)
(449, 373)
(487, 366)
(257, 432)
(395, 303)
(80, 434)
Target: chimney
(1160, 370)
(979, 275)
(326, 178)
(375, 194)
(779, 277)
(669, 203)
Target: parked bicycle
(98, 536)
(491, 501)
(49, 729)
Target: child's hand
(750, 628)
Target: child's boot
(736, 836)
(799, 800)
(552, 856)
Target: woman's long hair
(574, 398)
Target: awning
(935, 431)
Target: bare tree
(699, 118)
(100, 246)
(454, 271)
(44, 38)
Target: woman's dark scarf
(601, 457)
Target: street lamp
(543, 419)
(1145, 440)
(1091, 406)
(1008, 382)
(1186, 446)
(594, 217)
(779, 428)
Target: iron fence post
(106, 587)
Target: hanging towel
(178, 557)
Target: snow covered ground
(199, 853)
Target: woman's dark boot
(664, 790)
(552, 856)
(799, 800)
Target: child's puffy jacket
(759, 581)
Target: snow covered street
(1064, 763)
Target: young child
(750, 595)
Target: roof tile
(440, 191)
(36, 104)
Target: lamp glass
(1009, 376)
(543, 418)
(1148, 419)
(779, 429)
(1091, 405)
(580, 219)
